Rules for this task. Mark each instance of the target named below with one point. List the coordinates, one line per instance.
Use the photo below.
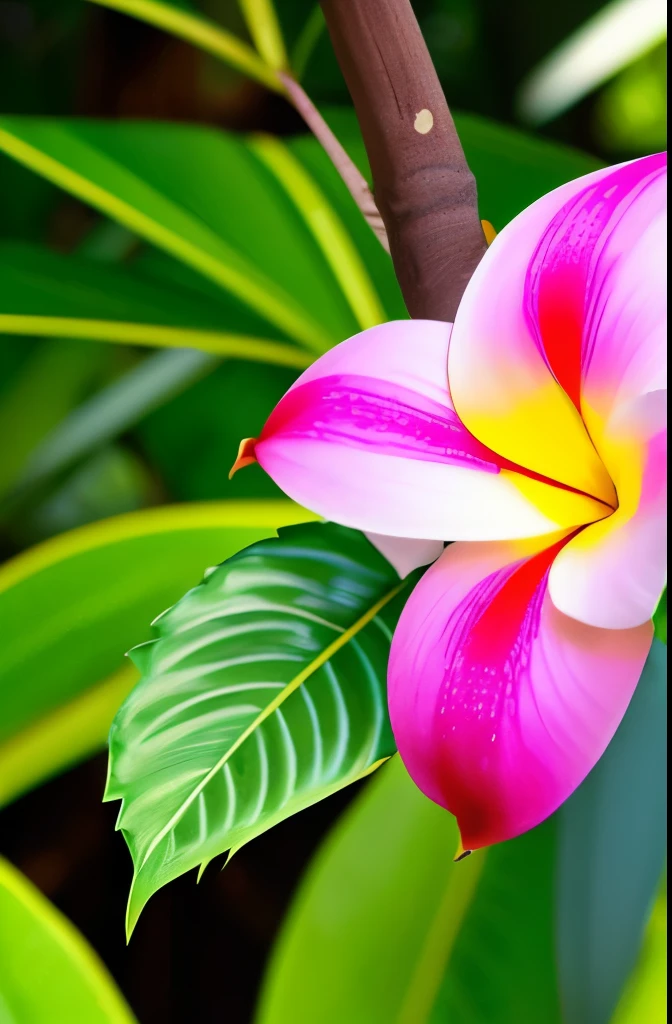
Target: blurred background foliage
(93, 430)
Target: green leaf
(310, 154)
(264, 693)
(630, 114)
(111, 482)
(71, 606)
(619, 33)
(191, 442)
(385, 928)
(203, 197)
(263, 26)
(112, 411)
(42, 293)
(503, 964)
(376, 916)
(309, 36)
(50, 383)
(183, 21)
(611, 854)
(335, 243)
(48, 972)
(644, 1000)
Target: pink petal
(613, 573)
(500, 704)
(566, 305)
(624, 351)
(405, 554)
(368, 437)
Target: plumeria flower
(533, 433)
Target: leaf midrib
(270, 708)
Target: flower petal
(565, 302)
(624, 351)
(405, 554)
(368, 437)
(500, 704)
(613, 573)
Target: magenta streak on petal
(388, 419)
(488, 638)
(565, 277)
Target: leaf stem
(356, 183)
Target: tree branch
(423, 187)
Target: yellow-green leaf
(195, 28)
(336, 244)
(263, 26)
(48, 972)
(71, 607)
(150, 177)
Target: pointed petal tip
(245, 455)
(461, 853)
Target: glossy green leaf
(203, 197)
(180, 18)
(48, 972)
(264, 692)
(376, 916)
(611, 854)
(71, 606)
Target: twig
(356, 183)
(423, 187)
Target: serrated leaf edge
(270, 708)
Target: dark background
(198, 953)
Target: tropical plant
(263, 689)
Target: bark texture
(423, 187)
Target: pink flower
(533, 433)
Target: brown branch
(423, 187)
(354, 180)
